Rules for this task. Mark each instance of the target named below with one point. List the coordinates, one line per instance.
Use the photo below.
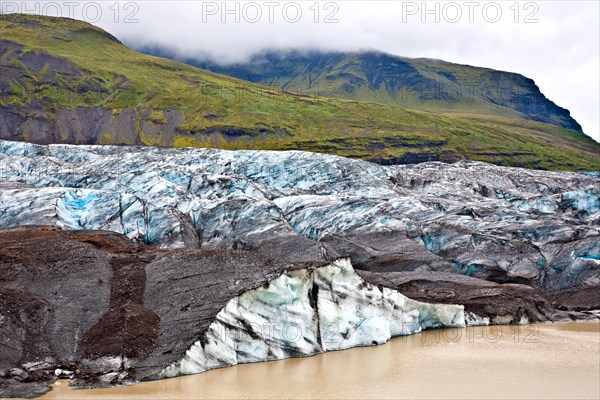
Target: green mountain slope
(423, 84)
(65, 81)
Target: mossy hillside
(422, 84)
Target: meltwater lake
(544, 361)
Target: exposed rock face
(56, 288)
(209, 244)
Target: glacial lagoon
(543, 361)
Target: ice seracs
(506, 224)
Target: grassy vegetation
(86, 67)
(420, 84)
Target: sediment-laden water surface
(535, 362)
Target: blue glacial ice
(305, 312)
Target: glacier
(505, 224)
(307, 312)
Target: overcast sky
(556, 43)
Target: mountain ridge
(296, 69)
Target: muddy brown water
(548, 361)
